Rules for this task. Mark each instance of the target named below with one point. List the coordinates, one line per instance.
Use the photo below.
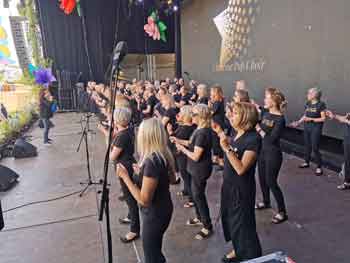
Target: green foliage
(28, 10)
(16, 122)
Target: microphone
(120, 51)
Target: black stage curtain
(107, 22)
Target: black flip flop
(276, 220)
(126, 240)
(201, 235)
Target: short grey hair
(122, 116)
(317, 91)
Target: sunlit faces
(268, 101)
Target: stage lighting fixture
(175, 8)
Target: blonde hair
(317, 91)
(203, 88)
(204, 115)
(278, 98)
(247, 114)
(170, 99)
(153, 139)
(186, 113)
(122, 102)
(122, 116)
(243, 95)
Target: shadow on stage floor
(67, 230)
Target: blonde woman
(182, 135)
(156, 165)
(271, 128)
(238, 188)
(313, 120)
(202, 92)
(199, 165)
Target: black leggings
(269, 166)
(133, 214)
(186, 177)
(198, 186)
(312, 137)
(347, 159)
(217, 151)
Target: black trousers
(198, 186)
(133, 207)
(347, 159)
(312, 137)
(269, 165)
(217, 151)
(185, 175)
(153, 231)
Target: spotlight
(175, 8)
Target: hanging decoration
(32, 69)
(68, 6)
(44, 77)
(155, 28)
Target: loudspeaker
(2, 224)
(23, 149)
(8, 178)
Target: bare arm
(115, 153)
(195, 155)
(241, 166)
(144, 195)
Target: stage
(67, 230)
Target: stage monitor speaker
(8, 178)
(23, 149)
(2, 224)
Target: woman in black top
(170, 112)
(346, 143)
(238, 188)
(45, 104)
(217, 106)
(182, 135)
(271, 127)
(313, 119)
(123, 152)
(199, 165)
(185, 97)
(150, 102)
(202, 94)
(156, 173)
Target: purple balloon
(44, 77)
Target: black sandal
(202, 235)
(318, 172)
(124, 221)
(194, 222)
(225, 259)
(344, 186)
(304, 165)
(189, 205)
(125, 240)
(279, 218)
(262, 206)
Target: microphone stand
(84, 136)
(104, 205)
